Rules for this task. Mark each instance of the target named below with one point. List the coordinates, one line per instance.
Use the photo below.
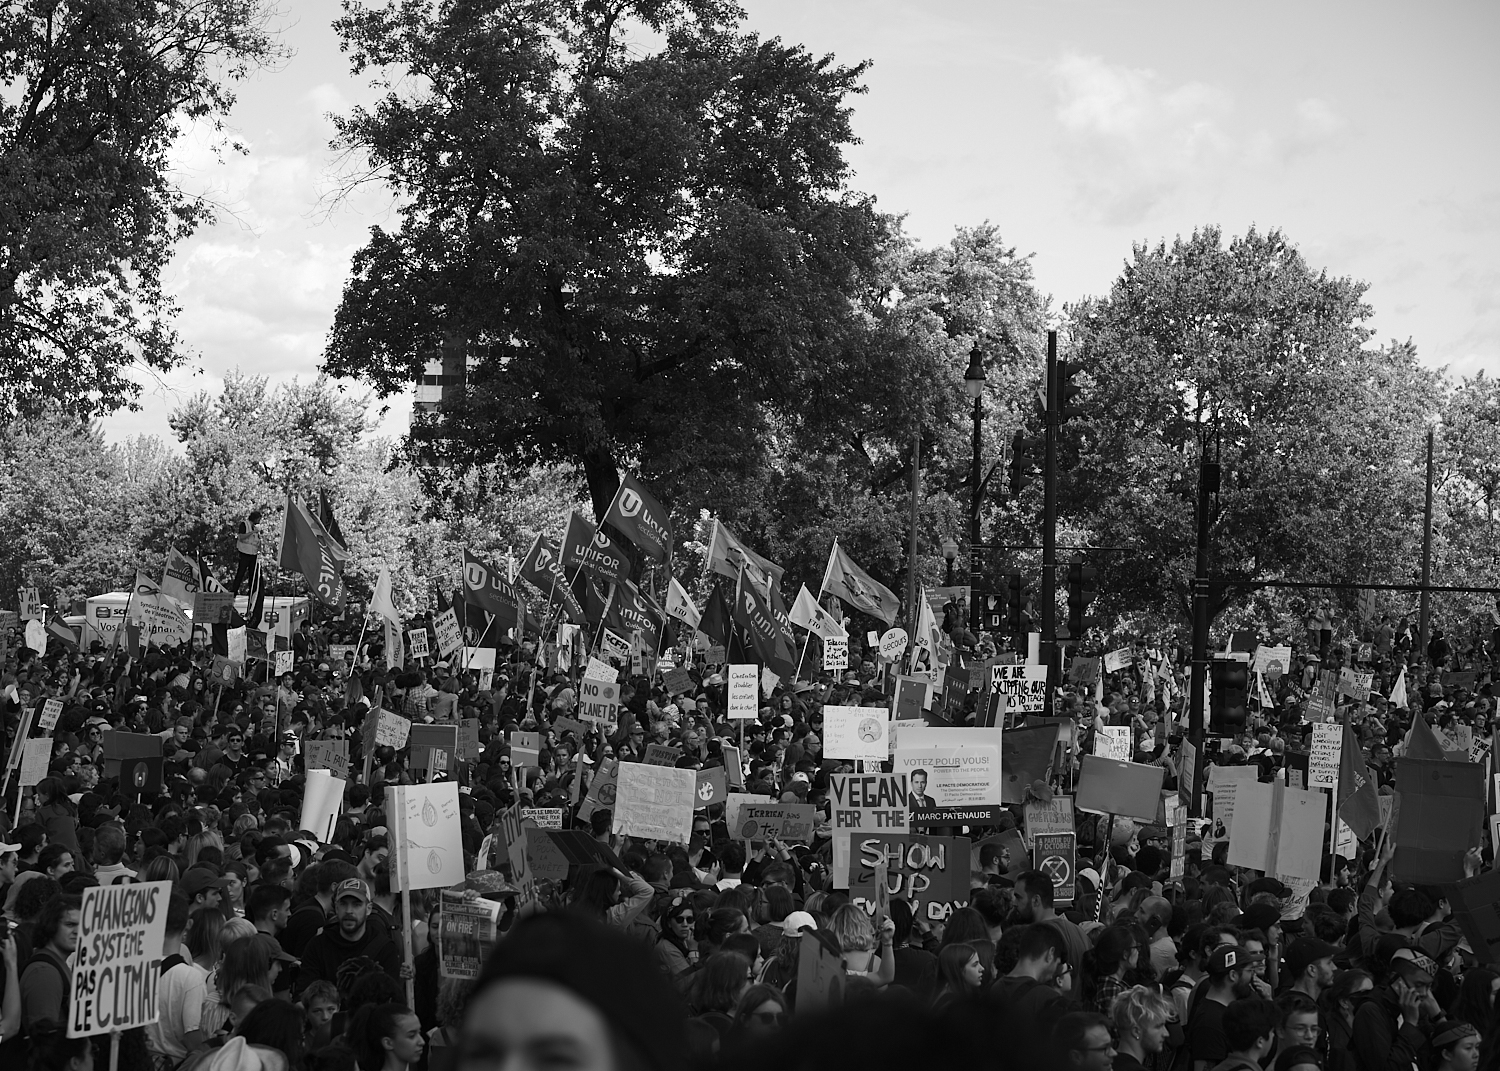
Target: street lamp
(950, 552)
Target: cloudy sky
(1365, 131)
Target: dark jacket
(1381, 1045)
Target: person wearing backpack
(180, 993)
(1029, 992)
(47, 975)
(354, 936)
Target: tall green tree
(644, 243)
(94, 94)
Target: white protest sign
(117, 963)
(855, 733)
(893, 644)
(600, 671)
(1323, 758)
(284, 662)
(450, 637)
(35, 758)
(655, 802)
(51, 711)
(416, 642)
(1113, 742)
(391, 730)
(615, 646)
(966, 776)
(744, 691)
(1355, 685)
(1223, 786)
(1114, 661)
(599, 702)
(428, 849)
(29, 600)
(835, 653)
(322, 797)
(1272, 661)
(1024, 687)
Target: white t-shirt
(180, 1000)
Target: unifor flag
(587, 546)
(680, 606)
(727, 555)
(632, 611)
(809, 615)
(641, 519)
(753, 615)
(782, 618)
(307, 549)
(542, 567)
(858, 588)
(1359, 799)
(180, 577)
(486, 587)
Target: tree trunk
(603, 476)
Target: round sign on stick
(1274, 669)
(893, 644)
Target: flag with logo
(307, 549)
(752, 614)
(587, 546)
(680, 606)
(542, 568)
(641, 519)
(807, 613)
(330, 525)
(858, 588)
(631, 610)
(1359, 799)
(728, 554)
(180, 577)
(161, 618)
(486, 587)
(928, 638)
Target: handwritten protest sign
(662, 755)
(417, 643)
(855, 733)
(330, 755)
(655, 802)
(835, 653)
(51, 711)
(929, 873)
(117, 964)
(744, 691)
(864, 802)
(599, 702)
(1113, 742)
(544, 817)
(1323, 760)
(1024, 687)
(1115, 661)
(789, 821)
(35, 758)
(450, 638)
(428, 850)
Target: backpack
(356, 967)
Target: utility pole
(911, 554)
(1424, 612)
(1208, 485)
(1049, 527)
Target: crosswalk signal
(1229, 702)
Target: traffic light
(1229, 702)
(1017, 596)
(1021, 462)
(1083, 584)
(1065, 391)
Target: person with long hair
(677, 948)
(53, 1050)
(209, 838)
(960, 973)
(205, 928)
(245, 962)
(56, 812)
(716, 986)
(855, 933)
(761, 1011)
(1104, 967)
(161, 868)
(270, 1037)
(236, 878)
(1140, 1016)
(1475, 1002)
(612, 897)
(385, 1037)
(1337, 1003)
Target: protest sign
(1271, 661)
(678, 681)
(614, 646)
(820, 973)
(284, 662)
(391, 730)
(51, 711)
(1187, 770)
(600, 671)
(855, 733)
(450, 637)
(599, 702)
(966, 776)
(1441, 816)
(36, 756)
(734, 768)
(713, 654)
(1108, 786)
(330, 755)
(29, 602)
(655, 802)
(712, 787)
(1113, 742)
(468, 930)
(1056, 855)
(956, 694)
(1024, 687)
(835, 653)
(1355, 685)
(910, 699)
(1027, 757)
(1278, 830)
(1083, 670)
(862, 802)
(515, 851)
(790, 821)
(602, 789)
(427, 850)
(544, 817)
(417, 643)
(338, 651)
(1323, 759)
(116, 966)
(929, 873)
(322, 798)
(1476, 907)
(468, 740)
(1223, 785)
(525, 749)
(1114, 661)
(662, 755)
(559, 726)
(1052, 816)
(1177, 823)
(893, 644)
(736, 803)
(744, 691)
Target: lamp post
(974, 385)
(950, 552)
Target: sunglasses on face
(687, 920)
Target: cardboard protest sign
(662, 755)
(1271, 661)
(525, 749)
(450, 637)
(117, 963)
(1223, 785)
(1024, 687)
(1355, 685)
(835, 653)
(1278, 830)
(1113, 742)
(284, 661)
(678, 682)
(1053, 816)
(862, 802)
(120, 747)
(1108, 786)
(1056, 855)
(599, 702)
(743, 691)
(712, 787)
(735, 805)
(929, 873)
(427, 850)
(734, 768)
(655, 802)
(544, 817)
(790, 821)
(1440, 818)
(29, 602)
(1323, 759)
(855, 733)
(1083, 670)
(1026, 757)
(515, 850)
(468, 748)
(468, 929)
(330, 755)
(562, 725)
(426, 739)
(600, 671)
(1476, 907)
(1114, 661)
(51, 711)
(391, 730)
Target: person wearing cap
(1309, 964)
(353, 936)
(1387, 1033)
(1455, 1045)
(1231, 975)
(202, 887)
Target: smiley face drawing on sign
(870, 730)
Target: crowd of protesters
(284, 952)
